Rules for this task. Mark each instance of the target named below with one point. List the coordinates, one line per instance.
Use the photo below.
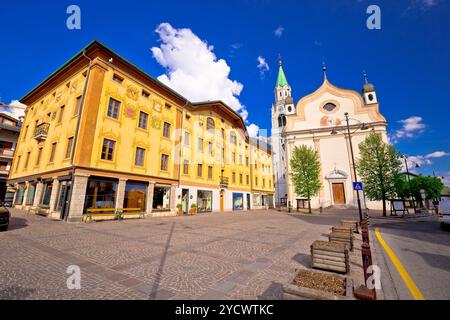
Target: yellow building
(101, 133)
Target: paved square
(246, 255)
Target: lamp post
(349, 133)
(409, 180)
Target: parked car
(4, 217)
(444, 212)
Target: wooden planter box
(330, 256)
(342, 237)
(294, 292)
(353, 224)
(342, 229)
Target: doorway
(248, 201)
(222, 194)
(338, 194)
(63, 201)
(185, 200)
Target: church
(319, 120)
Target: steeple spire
(365, 77)
(324, 69)
(281, 81)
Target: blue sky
(407, 60)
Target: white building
(319, 122)
(283, 106)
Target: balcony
(41, 131)
(224, 182)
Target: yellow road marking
(403, 273)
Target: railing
(41, 131)
(224, 182)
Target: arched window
(210, 125)
(281, 120)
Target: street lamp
(409, 180)
(362, 127)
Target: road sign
(357, 186)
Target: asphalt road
(424, 251)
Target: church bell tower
(284, 105)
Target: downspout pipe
(74, 145)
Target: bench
(96, 214)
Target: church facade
(319, 121)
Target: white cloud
(193, 70)
(253, 130)
(14, 112)
(412, 126)
(279, 31)
(262, 66)
(424, 160)
(427, 4)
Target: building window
(20, 194)
(113, 108)
(38, 160)
(210, 172)
(30, 194)
(241, 161)
(135, 195)
(77, 106)
(240, 178)
(46, 193)
(25, 133)
(100, 194)
(143, 120)
(164, 162)
(210, 148)
(329, 107)
(18, 163)
(223, 133)
(204, 201)
(264, 183)
(161, 198)
(69, 147)
(199, 170)
(145, 94)
(247, 161)
(233, 177)
(61, 114)
(166, 130)
(117, 78)
(210, 124)
(256, 181)
(187, 139)
(52, 152)
(282, 121)
(140, 156)
(233, 157)
(186, 167)
(233, 139)
(108, 149)
(200, 144)
(168, 106)
(27, 160)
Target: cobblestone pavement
(246, 255)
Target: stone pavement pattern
(245, 255)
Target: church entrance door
(338, 193)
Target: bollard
(367, 262)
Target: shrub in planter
(180, 209)
(193, 209)
(330, 256)
(314, 285)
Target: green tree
(379, 167)
(433, 187)
(305, 174)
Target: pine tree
(379, 167)
(305, 167)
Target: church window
(329, 107)
(281, 120)
(370, 97)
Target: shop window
(135, 195)
(30, 194)
(100, 194)
(161, 198)
(20, 194)
(47, 193)
(238, 201)
(204, 201)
